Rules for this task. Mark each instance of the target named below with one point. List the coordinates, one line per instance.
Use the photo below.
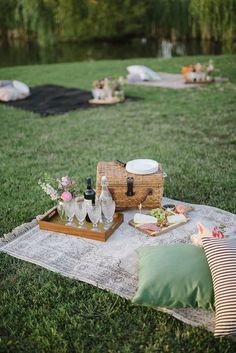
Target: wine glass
(108, 209)
(69, 207)
(61, 211)
(94, 213)
(80, 211)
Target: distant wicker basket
(130, 190)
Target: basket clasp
(130, 185)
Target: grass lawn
(191, 132)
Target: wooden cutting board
(163, 230)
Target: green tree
(37, 17)
(68, 20)
(7, 20)
(70, 16)
(114, 18)
(168, 18)
(214, 19)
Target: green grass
(191, 132)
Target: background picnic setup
(118, 225)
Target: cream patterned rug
(111, 265)
(174, 81)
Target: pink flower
(65, 181)
(210, 68)
(217, 233)
(66, 196)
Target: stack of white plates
(142, 166)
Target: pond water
(20, 53)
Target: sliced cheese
(178, 218)
(143, 218)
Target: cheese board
(161, 231)
(160, 220)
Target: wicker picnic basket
(130, 190)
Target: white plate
(142, 166)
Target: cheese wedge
(178, 218)
(143, 218)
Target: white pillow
(13, 90)
(143, 72)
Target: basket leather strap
(148, 192)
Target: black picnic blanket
(53, 99)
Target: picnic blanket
(53, 99)
(173, 81)
(112, 265)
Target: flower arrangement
(205, 232)
(217, 233)
(108, 88)
(198, 72)
(59, 189)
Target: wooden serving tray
(163, 230)
(114, 100)
(200, 82)
(51, 221)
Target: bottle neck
(89, 183)
(104, 187)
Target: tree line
(73, 20)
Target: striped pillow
(221, 257)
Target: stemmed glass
(69, 207)
(94, 213)
(108, 209)
(80, 211)
(61, 210)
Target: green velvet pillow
(174, 276)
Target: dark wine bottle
(89, 195)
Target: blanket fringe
(20, 230)
(17, 232)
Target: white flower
(54, 196)
(49, 190)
